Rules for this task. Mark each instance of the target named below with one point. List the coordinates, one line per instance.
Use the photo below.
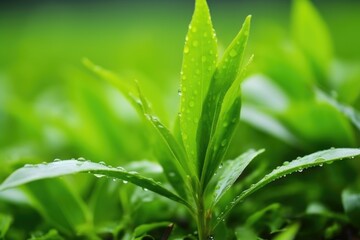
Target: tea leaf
(139, 102)
(5, 222)
(32, 173)
(225, 74)
(298, 165)
(311, 34)
(351, 202)
(199, 62)
(144, 228)
(289, 233)
(232, 169)
(71, 216)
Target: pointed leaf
(231, 171)
(225, 74)
(32, 173)
(5, 222)
(173, 163)
(199, 61)
(314, 159)
(71, 216)
(311, 34)
(351, 202)
(144, 228)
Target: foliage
(291, 100)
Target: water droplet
(120, 168)
(99, 175)
(332, 148)
(300, 170)
(223, 143)
(329, 162)
(102, 163)
(125, 182)
(191, 103)
(186, 49)
(221, 165)
(225, 124)
(81, 159)
(57, 159)
(179, 92)
(298, 158)
(172, 174)
(193, 29)
(233, 53)
(28, 165)
(114, 179)
(145, 189)
(319, 160)
(286, 163)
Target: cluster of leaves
(193, 171)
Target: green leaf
(289, 233)
(199, 62)
(351, 202)
(232, 169)
(311, 34)
(51, 235)
(5, 222)
(225, 74)
(298, 165)
(32, 173)
(71, 216)
(173, 162)
(144, 228)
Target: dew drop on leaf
(233, 53)
(99, 175)
(186, 49)
(286, 163)
(125, 182)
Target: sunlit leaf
(60, 168)
(71, 216)
(199, 62)
(298, 165)
(232, 169)
(225, 74)
(289, 233)
(5, 222)
(311, 34)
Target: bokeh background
(52, 106)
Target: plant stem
(201, 218)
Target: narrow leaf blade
(225, 74)
(231, 171)
(312, 160)
(56, 169)
(71, 216)
(199, 62)
(311, 34)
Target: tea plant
(193, 154)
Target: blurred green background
(51, 106)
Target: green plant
(192, 155)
